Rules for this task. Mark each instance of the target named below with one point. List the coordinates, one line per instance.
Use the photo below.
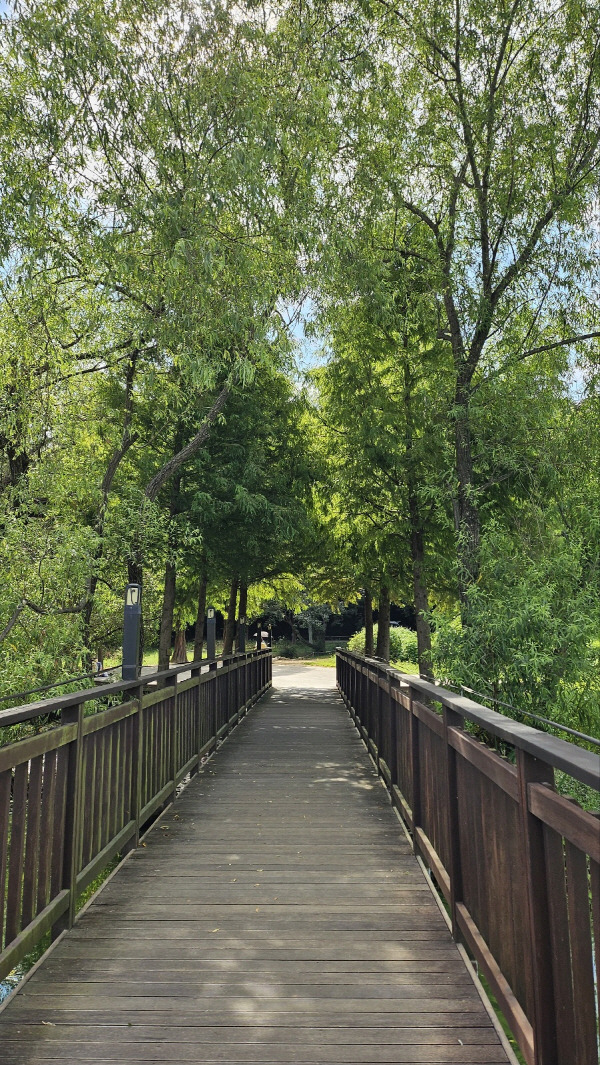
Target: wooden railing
(517, 864)
(79, 792)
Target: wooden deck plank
(276, 914)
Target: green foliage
(184, 177)
(403, 643)
(529, 641)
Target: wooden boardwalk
(274, 914)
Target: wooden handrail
(578, 762)
(517, 864)
(78, 793)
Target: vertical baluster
(540, 982)
(393, 712)
(135, 756)
(5, 787)
(73, 812)
(176, 703)
(415, 760)
(34, 799)
(46, 833)
(578, 899)
(16, 854)
(196, 715)
(453, 720)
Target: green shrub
(531, 631)
(403, 643)
(287, 649)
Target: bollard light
(211, 634)
(241, 635)
(132, 617)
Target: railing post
(196, 673)
(540, 989)
(379, 718)
(235, 694)
(393, 711)
(212, 695)
(73, 813)
(243, 685)
(174, 736)
(415, 760)
(136, 768)
(228, 698)
(453, 720)
(369, 714)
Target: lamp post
(241, 636)
(132, 616)
(211, 634)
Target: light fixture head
(133, 594)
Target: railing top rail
(28, 711)
(579, 763)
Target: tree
(477, 127)
(383, 398)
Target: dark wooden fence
(517, 863)
(79, 792)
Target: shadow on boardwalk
(275, 914)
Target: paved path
(274, 915)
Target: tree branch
(537, 351)
(42, 611)
(13, 620)
(166, 472)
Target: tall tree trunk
(243, 604)
(166, 622)
(179, 656)
(369, 644)
(201, 613)
(383, 624)
(421, 601)
(166, 472)
(166, 618)
(466, 513)
(229, 634)
(127, 440)
(242, 611)
(417, 539)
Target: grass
(151, 655)
(14, 978)
(319, 660)
(329, 660)
(502, 1019)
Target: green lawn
(317, 659)
(151, 656)
(329, 660)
